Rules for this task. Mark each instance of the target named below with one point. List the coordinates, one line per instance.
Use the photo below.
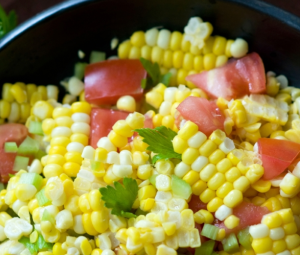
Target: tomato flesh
(102, 121)
(202, 112)
(237, 78)
(277, 155)
(10, 133)
(248, 213)
(195, 204)
(106, 81)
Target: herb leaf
(155, 75)
(7, 22)
(159, 140)
(121, 198)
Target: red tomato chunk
(10, 133)
(277, 155)
(237, 78)
(202, 112)
(106, 81)
(102, 121)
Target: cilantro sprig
(121, 198)
(159, 140)
(155, 76)
(7, 22)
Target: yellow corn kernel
(233, 198)
(147, 204)
(207, 195)
(224, 165)
(169, 228)
(181, 74)
(5, 109)
(72, 204)
(223, 190)
(272, 204)
(262, 245)
(88, 225)
(203, 216)
(209, 61)
(290, 184)
(157, 55)
(295, 205)
(168, 59)
(235, 156)
(4, 216)
(101, 154)
(43, 91)
(290, 228)
(97, 252)
(118, 140)
(231, 221)
(146, 51)
(261, 186)
(33, 204)
(168, 121)
(190, 155)
(221, 60)
(277, 133)
(188, 61)
(198, 63)
(284, 201)
(216, 156)
(192, 85)
(216, 181)
(48, 125)
(83, 107)
(195, 50)
(124, 49)
(71, 169)
(278, 246)
(56, 159)
(227, 48)
(199, 187)
(134, 53)
(232, 174)
(272, 86)
(207, 148)
(6, 94)
(179, 144)
(147, 191)
(144, 172)
(138, 39)
(242, 184)
(221, 235)
(219, 45)
(177, 59)
(292, 241)
(272, 220)
(73, 156)
(57, 150)
(84, 203)
(58, 250)
(18, 93)
(191, 177)
(254, 173)
(214, 204)
(122, 128)
(100, 220)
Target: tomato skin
(102, 121)
(202, 112)
(248, 213)
(277, 155)
(235, 79)
(10, 133)
(106, 81)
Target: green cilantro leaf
(32, 247)
(154, 74)
(7, 22)
(159, 140)
(121, 198)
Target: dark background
(28, 8)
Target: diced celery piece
(10, 147)
(245, 238)
(48, 217)
(28, 147)
(41, 198)
(230, 244)
(79, 70)
(43, 245)
(32, 247)
(35, 127)
(32, 178)
(206, 248)
(180, 187)
(210, 231)
(97, 56)
(20, 163)
(40, 154)
(152, 179)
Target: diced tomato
(277, 155)
(204, 113)
(106, 81)
(10, 133)
(248, 213)
(195, 204)
(235, 79)
(102, 121)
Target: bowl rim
(258, 5)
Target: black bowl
(43, 50)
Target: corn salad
(188, 203)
